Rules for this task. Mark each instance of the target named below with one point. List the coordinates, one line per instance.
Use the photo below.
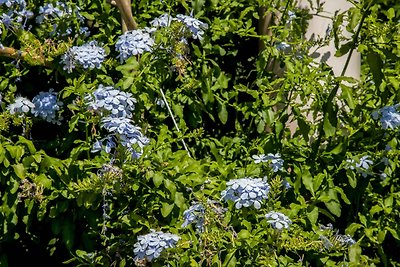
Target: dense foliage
(170, 143)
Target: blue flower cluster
(88, 56)
(46, 106)
(361, 166)
(150, 246)
(246, 192)
(108, 100)
(195, 214)
(276, 162)
(17, 15)
(21, 105)
(162, 21)
(133, 43)
(52, 13)
(278, 220)
(195, 26)
(345, 240)
(282, 46)
(389, 116)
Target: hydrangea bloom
(278, 220)
(246, 192)
(389, 116)
(130, 136)
(111, 100)
(194, 214)
(196, 26)
(21, 105)
(133, 43)
(276, 162)
(150, 246)
(89, 56)
(162, 21)
(46, 106)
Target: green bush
(82, 180)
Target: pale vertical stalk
(173, 119)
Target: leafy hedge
(170, 145)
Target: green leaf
(179, 200)
(334, 207)
(158, 179)
(230, 260)
(352, 228)
(376, 65)
(390, 13)
(313, 215)
(329, 129)
(355, 253)
(352, 178)
(348, 96)
(222, 113)
(19, 170)
(166, 209)
(244, 234)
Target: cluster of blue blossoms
(17, 14)
(195, 26)
(276, 162)
(116, 109)
(134, 42)
(60, 10)
(151, 245)
(195, 214)
(246, 192)
(361, 166)
(44, 105)
(21, 105)
(278, 220)
(88, 56)
(107, 100)
(389, 116)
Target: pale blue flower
(326, 242)
(389, 116)
(133, 43)
(195, 26)
(194, 214)
(278, 220)
(162, 21)
(46, 106)
(246, 192)
(276, 162)
(21, 105)
(282, 46)
(88, 56)
(345, 240)
(150, 246)
(108, 100)
(360, 166)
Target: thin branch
(11, 52)
(173, 119)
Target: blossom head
(150, 246)
(389, 116)
(21, 105)
(246, 192)
(88, 56)
(278, 220)
(133, 43)
(46, 106)
(107, 99)
(194, 214)
(195, 26)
